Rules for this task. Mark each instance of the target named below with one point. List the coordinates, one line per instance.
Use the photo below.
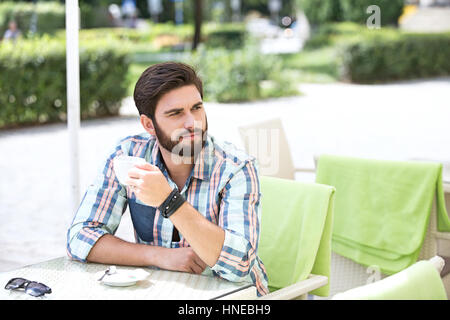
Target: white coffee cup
(122, 164)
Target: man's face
(180, 123)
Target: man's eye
(197, 107)
(174, 114)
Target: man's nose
(189, 121)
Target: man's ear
(147, 123)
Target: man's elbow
(73, 253)
(232, 267)
(74, 247)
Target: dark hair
(159, 79)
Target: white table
(74, 280)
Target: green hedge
(391, 57)
(139, 36)
(33, 80)
(241, 75)
(50, 16)
(341, 33)
(214, 35)
(322, 11)
(230, 38)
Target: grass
(314, 65)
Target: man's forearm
(112, 250)
(152, 188)
(204, 237)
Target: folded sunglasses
(36, 289)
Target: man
(129, 11)
(194, 204)
(12, 33)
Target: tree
(198, 19)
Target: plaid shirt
(223, 186)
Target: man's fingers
(195, 268)
(194, 263)
(192, 269)
(199, 262)
(138, 172)
(147, 166)
(133, 182)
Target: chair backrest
(266, 141)
(295, 237)
(348, 270)
(420, 281)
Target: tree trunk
(198, 17)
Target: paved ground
(396, 121)
(435, 19)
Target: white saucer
(122, 278)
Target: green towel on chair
(296, 225)
(421, 281)
(382, 208)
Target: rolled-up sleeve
(240, 218)
(100, 211)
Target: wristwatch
(171, 204)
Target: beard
(181, 149)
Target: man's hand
(149, 184)
(182, 259)
(112, 250)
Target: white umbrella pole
(73, 99)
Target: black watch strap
(171, 204)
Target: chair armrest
(442, 235)
(297, 289)
(245, 294)
(446, 186)
(305, 169)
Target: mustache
(178, 133)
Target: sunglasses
(33, 288)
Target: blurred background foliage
(325, 11)
(340, 48)
(33, 80)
